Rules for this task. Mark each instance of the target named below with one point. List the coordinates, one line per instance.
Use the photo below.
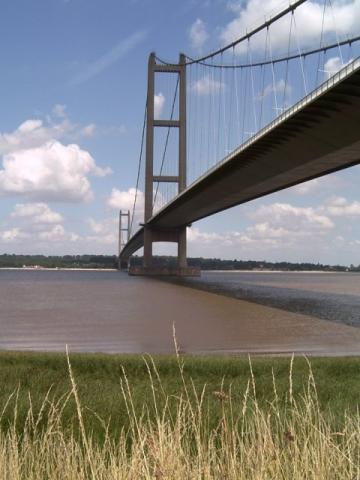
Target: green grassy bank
(100, 379)
(132, 418)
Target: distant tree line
(218, 264)
(111, 261)
(65, 261)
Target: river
(109, 311)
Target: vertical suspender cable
(336, 32)
(301, 57)
(252, 87)
(287, 65)
(321, 41)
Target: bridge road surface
(118, 313)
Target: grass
(128, 417)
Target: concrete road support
(151, 235)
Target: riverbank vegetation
(110, 261)
(54, 261)
(128, 417)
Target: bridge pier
(148, 267)
(148, 250)
(152, 234)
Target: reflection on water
(330, 296)
(112, 312)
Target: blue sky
(72, 95)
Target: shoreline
(274, 271)
(68, 269)
(200, 355)
(85, 269)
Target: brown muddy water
(110, 312)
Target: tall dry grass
(286, 440)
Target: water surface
(111, 312)
(329, 296)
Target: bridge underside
(318, 136)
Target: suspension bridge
(261, 114)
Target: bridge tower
(152, 234)
(124, 235)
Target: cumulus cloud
(333, 65)
(198, 34)
(52, 171)
(34, 133)
(159, 102)
(13, 235)
(305, 219)
(38, 213)
(207, 85)
(35, 228)
(124, 200)
(276, 226)
(38, 166)
(340, 207)
(342, 17)
(57, 233)
(197, 236)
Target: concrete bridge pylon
(152, 234)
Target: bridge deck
(317, 136)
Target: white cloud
(51, 172)
(57, 233)
(124, 200)
(290, 228)
(342, 17)
(34, 133)
(277, 87)
(38, 213)
(13, 235)
(196, 236)
(299, 218)
(333, 65)
(307, 187)
(279, 229)
(159, 102)
(198, 34)
(207, 85)
(340, 207)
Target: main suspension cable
(303, 54)
(248, 35)
(139, 169)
